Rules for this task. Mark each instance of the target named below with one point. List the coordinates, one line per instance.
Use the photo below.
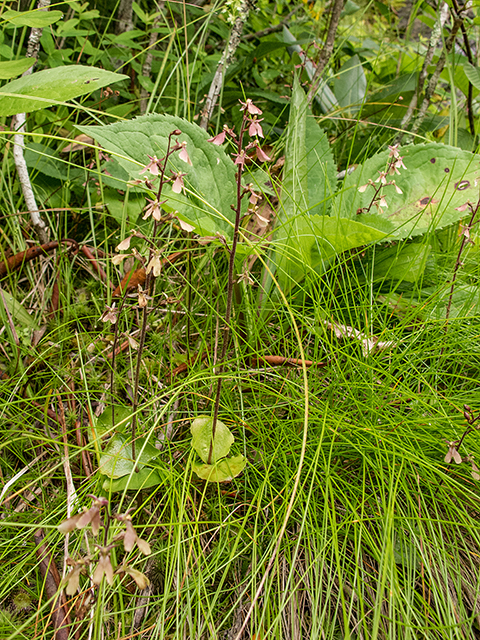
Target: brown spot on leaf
(446, 169)
(462, 185)
(433, 160)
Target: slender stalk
(148, 286)
(230, 286)
(458, 263)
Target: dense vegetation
(239, 302)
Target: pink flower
(219, 138)
(240, 158)
(261, 155)
(178, 186)
(250, 107)
(183, 155)
(153, 209)
(255, 128)
(153, 166)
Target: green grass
(346, 522)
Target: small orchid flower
(110, 314)
(153, 166)
(261, 155)
(250, 107)
(255, 128)
(153, 209)
(183, 155)
(178, 185)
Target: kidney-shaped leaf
(116, 461)
(145, 478)
(201, 429)
(436, 184)
(42, 89)
(210, 178)
(223, 471)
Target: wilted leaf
(202, 437)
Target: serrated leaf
(201, 429)
(438, 179)
(211, 178)
(36, 18)
(51, 86)
(14, 68)
(223, 471)
(116, 461)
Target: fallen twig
(19, 259)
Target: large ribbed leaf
(210, 180)
(437, 182)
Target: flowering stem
(230, 285)
(465, 239)
(148, 285)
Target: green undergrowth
(382, 538)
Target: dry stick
(225, 62)
(327, 49)
(39, 225)
(147, 65)
(432, 83)
(432, 45)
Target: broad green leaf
(223, 471)
(201, 429)
(310, 174)
(210, 179)
(123, 418)
(437, 182)
(305, 238)
(14, 68)
(146, 477)
(350, 84)
(36, 18)
(308, 243)
(401, 263)
(116, 461)
(17, 311)
(51, 86)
